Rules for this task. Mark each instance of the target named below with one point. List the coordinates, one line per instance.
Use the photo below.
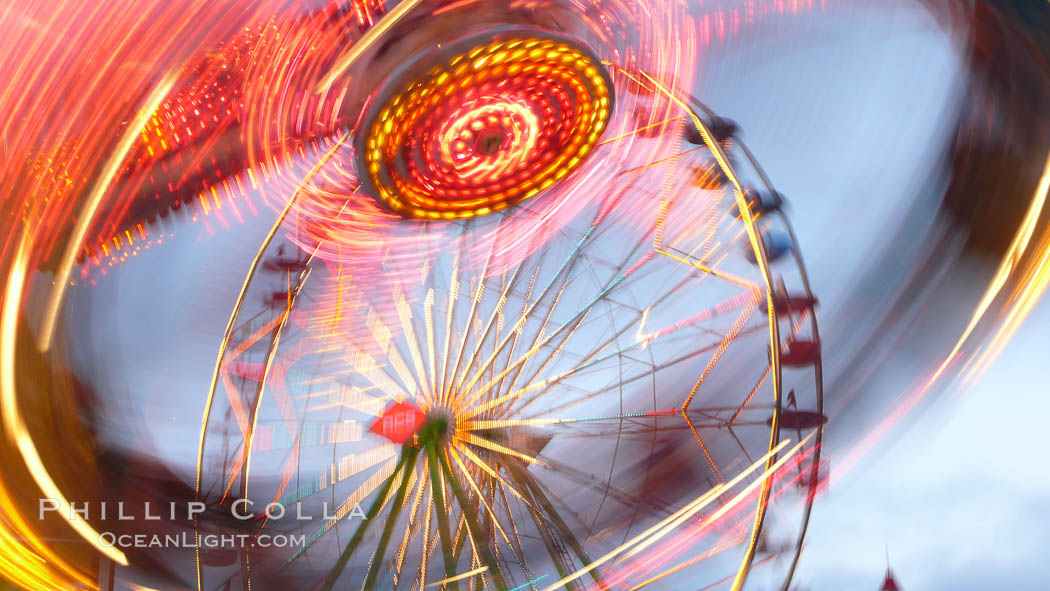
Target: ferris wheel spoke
(620, 280)
(560, 532)
(501, 379)
(682, 257)
(517, 548)
(470, 455)
(550, 357)
(411, 341)
(599, 392)
(566, 267)
(377, 480)
(517, 333)
(496, 313)
(640, 430)
(588, 361)
(538, 387)
(752, 393)
(359, 533)
(639, 316)
(395, 510)
(471, 315)
(537, 335)
(411, 528)
(453, 296)
(478, 441)
(428, 322)
(625, 498)
(477, 491)
(437, 486)
(733, 332)
(703, 447)
(474, 529)
(573, 321)
(484, 425)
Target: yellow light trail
(732, 503)
(656, 163)
(480, 408)
(551, 357)
(370, 37)
(540, 341)
(228, 334)
(37, 564)
(698, 558)
(526, 313)
(774, 328)
(428, 321)
(1029, 292)
(640, 129)
(404, 314)
(465, 575)
(734, 330)
(482, 442)
(93, 202)
(661, 529)
(734, 279)
(496, 314)
(481, 497)
(453, 296)
(427, 547)
(411, 525)
(1027, 295)
(479, 292)
(495, 475)
(14, 424)
(275, 342)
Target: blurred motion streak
(537, 264)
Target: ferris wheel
(536, 321)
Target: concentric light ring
(494, 121)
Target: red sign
(399, 422)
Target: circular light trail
(493, 125)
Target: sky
(842, 109)
(958, 495)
